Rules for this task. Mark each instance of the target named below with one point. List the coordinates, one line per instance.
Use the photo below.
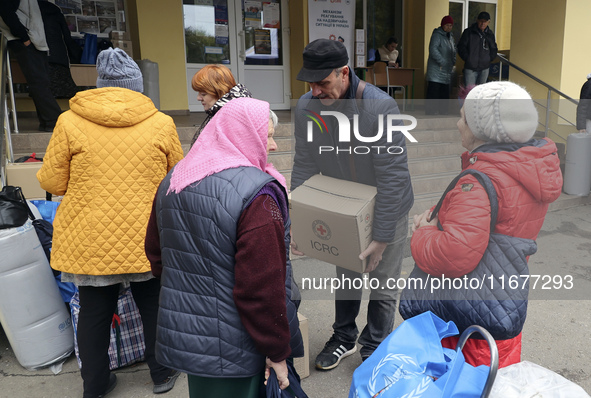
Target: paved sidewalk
(556, 333)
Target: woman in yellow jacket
(107, 156)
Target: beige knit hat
(501, 112)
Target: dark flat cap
(321, 57)
(484, 15)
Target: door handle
(242, 43)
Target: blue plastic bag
(412, 362)
(47, 209)
(44, 229)
(67, 289)
(90, 49)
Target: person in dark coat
(325, 68)
(442, 58)
(22, 25)
(62, 50)
(584, 108)
(478, 48)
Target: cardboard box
(302, 365)
(119, 35)
(125, 45)
(332, 220)
(24, 175)
(84, 74)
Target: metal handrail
(505, 60)
(3, 116)
(550, 89)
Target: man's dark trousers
(382, 302)
(34, 65)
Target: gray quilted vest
(199, 329)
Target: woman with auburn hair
(215, 86)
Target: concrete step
(186, 134)
(566, 201)
(432, 183)
(26, 143)
(437, 123)
(284, 129)
(282, 161)
(441, 135)
(424, 202)
(431, 149)
(432, 165)
(284, 144)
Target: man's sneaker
(334, 350)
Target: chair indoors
(381, 78)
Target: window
(97, 17)
(384, 20)
(465, 12)
(262, 28)
(456, 10)
(207, 38)
(475, 8)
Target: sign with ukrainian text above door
(334, 20)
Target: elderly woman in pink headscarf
(218, 238)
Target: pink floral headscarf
(236, 136)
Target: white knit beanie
(501, 112)
(116, 69)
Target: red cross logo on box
(321, 230)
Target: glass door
(249, 37)
(456, 10)
(263, 37)
(209, 39)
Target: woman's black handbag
(494, 295)
(14, 210)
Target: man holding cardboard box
(339, 103)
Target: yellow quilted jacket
(107, 156)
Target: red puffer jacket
(527, 179)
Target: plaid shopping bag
(127, 344)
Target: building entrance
(249, 37)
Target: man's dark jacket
(478, 49)
(62, 48)
(8, 14)
(388, 172)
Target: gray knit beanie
(116, 69)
